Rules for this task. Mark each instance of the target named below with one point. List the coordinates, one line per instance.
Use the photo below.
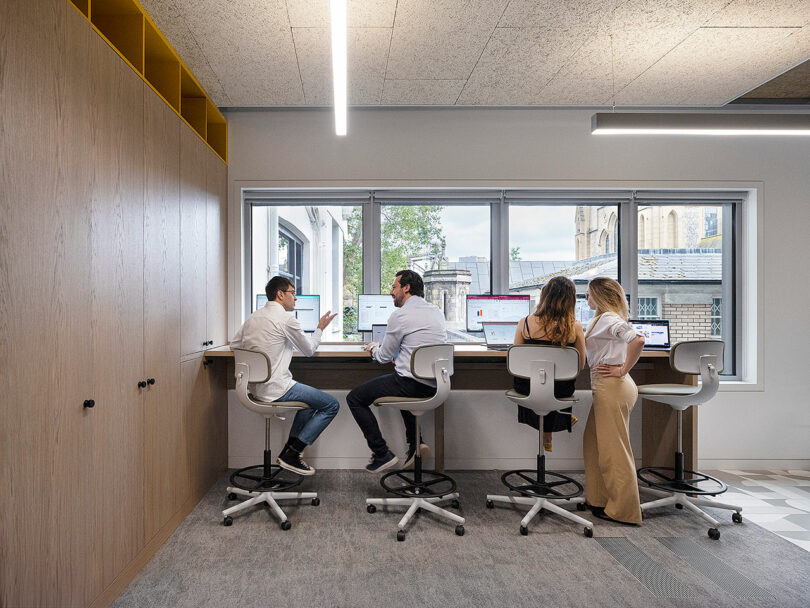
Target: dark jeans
(390, 385)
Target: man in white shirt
(274, 331)
(414, 323)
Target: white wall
(760, 426)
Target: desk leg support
(438, 437)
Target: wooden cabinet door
(216, 249)
(117, 156)
(205, 420)
(193, 203)
(166, 485)
(46, 506)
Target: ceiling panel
(711, 67)
(361, 13)
(571, 15)
(440, 39)
(367, 48)
(586, 78)
(763, 13)
(421, 92)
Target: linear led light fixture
(337, 10)
(641, 123)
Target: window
(448, 245)
(684, 272)
(716, 316)
(648, 308)
(319, 248)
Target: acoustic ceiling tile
(711, 67)
(586, 78)
(763, 13)
(640, 16)
(440, 39)
(361, 13)
(570, 15)
(421, 92)
(170, 21)
(367, 48)
(516, 65)
(249, 47)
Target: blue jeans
(309, 423)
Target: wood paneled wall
(90, 304)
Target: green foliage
(514, 254)
(408, 231)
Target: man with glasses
(274, 331)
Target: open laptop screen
(499, 334)
(655, 332)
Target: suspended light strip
(609, 123)
(339, 62)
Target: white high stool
(421, 489)
(263, 482)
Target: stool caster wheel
(678, 506)
(581, 506)
(736, 518)
(228, 521)
(316, 502)
(714, 533)
(231, 496)
(286, 525)
(459, 530)
(400, 534)
(371, 508)
(524, 531)
(589, 532)
(490, 504)
(455, 504)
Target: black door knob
(141, 384)
(150, 381)
(89, 403)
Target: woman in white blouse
(612, 347)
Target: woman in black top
(553, 324)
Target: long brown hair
(555, 310)
(608, 296)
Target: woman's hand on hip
(610, 371)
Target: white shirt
(606, 341)
(416, 323)
(275, 332)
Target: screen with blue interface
(495, 308)
(655, 332)
(373, 309)
(261, 300)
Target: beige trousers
(610, 470)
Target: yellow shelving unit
(129, 30)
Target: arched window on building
(671, 239)
(604, 242)
(613, 234)
(642, 232)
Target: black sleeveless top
(553, 421)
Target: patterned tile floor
(776, 500)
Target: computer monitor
(373, 309)
(495, 308)
(378, 332)
(500, 334)
(655, 332)
(308, 311)
(261, 300)
(582, 311)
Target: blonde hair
(608, 296)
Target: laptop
(655, 332)
(499, 335)
(378, 333)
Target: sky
(542, 233)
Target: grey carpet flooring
(337, 554)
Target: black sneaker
(291, 460)
(380, 463)
(410, 457)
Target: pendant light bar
(609, 123)
(339, 62)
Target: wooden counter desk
(344, 366)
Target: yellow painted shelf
(129, 30)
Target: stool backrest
(433, 362)
(521, 358)
(258, 364)
(685, 356)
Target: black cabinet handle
(205, 343)
(89, 403)
(150, 381)
(141, 384)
